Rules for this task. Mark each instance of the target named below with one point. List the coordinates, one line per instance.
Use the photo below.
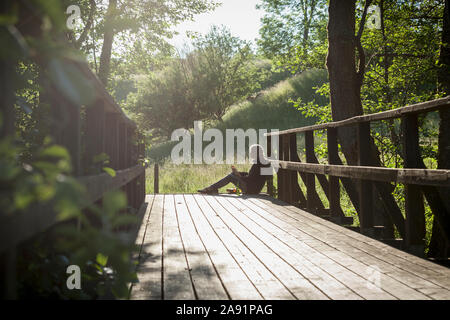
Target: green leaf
(114, 201)
(22, 200)
(101, 158)
(110, 171)
(55, 151)
(101, 259)
(45, 192)
(134, 278)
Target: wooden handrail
(385, 115)
(366, 181)
(426, 177)
(21, 226)
(98, 185)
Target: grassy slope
(272, 110)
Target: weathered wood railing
(359, 180)
(104, 129)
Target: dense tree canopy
(131, 29)
(293, 33)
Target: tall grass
(188, 178)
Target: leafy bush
(103, 254)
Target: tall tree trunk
(345, 88)
(345, 100)
(108, 37)
(439, 246)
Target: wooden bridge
(258, 247)
(239, 247)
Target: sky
(240, 16)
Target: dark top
(254, 180)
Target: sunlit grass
(188, 178)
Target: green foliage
(224, 72)
(402, 56)
(140, 30)
(293, 33)
(110, 171)
(200, 86)
(162, 103)
(39, 181)
(402, 69)
(45, 182)
(102, 253)
(272, 110)
(36, 174)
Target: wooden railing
(361, 180)
(104, 129)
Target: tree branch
(363, 20)
(361, 54)
(88, 26)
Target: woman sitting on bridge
(249, 182)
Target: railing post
(365, 186)
(286, 173)
(123, 150)
(334, 191)
(270, 178)
(280, 174)
(142, 190)
(134, 161)
(310, 177)
(156, 179)
(414, 208)
(130, 163)
(293, 175)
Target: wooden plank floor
(237, 247)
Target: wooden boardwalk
(230, 247)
